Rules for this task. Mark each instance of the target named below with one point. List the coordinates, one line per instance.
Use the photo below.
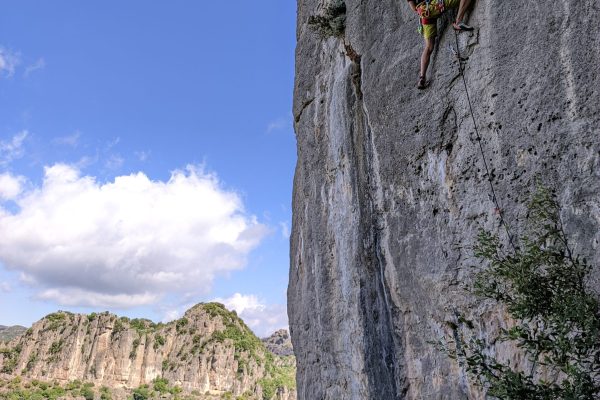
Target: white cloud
(262, 318)
(8, 62)
(115, 161)
(10, 186)
(39, 64)
(5, 287)
(285, 229)
(12, 149)
(71, 140)
(279, 124)
(142, 155)
(127, 242)
(76, 297)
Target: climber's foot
(422, 84)
(462, 27)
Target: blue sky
(146, 157)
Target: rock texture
(279, 343)
(208, 351)
(390, 189)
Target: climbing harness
(424, 12)
(499, 210)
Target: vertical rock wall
(390, 189)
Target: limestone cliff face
(390, 189)
(208, 351)
(279, 343)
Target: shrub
(158, 341)
(118, 327)
(332, 21)
(105, 393)
(555, 317)
(181, 323)
(142, 393)
(133, 351)
(88, 393)
(56, 347)
(31, 361)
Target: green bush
(142, 393)
(56, 347)
(554, 315)
(181, 323)
(133, 351)
(105, 393)
(118, 327)
(332, 21)
(158, 341)
(31, 361)
(161, 385)
(88, 393)
(11, 357)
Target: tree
(554, 316)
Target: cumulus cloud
(263, 319)
(10, 186)
(12, 149)
(8, 62)
(127, 242)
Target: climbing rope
(495, 199)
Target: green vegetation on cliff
(206, 333)
(8, 333)
(17, 389)
(554, 315)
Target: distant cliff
(390, 188)
(209, 352)
(280, 343)
(8, 333)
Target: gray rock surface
(390, 189)
(279, 343)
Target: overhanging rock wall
(390, 192)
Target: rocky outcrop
(279, 343)
(390, 189)
(208, 351)
(8, 333)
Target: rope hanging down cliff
(499, 208)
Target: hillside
(209, 353)
(8, 333)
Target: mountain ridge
(209, 351)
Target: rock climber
(429, 11)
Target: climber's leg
(425, 58)
(463, 6)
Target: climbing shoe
(422, 83)
(462, 27)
